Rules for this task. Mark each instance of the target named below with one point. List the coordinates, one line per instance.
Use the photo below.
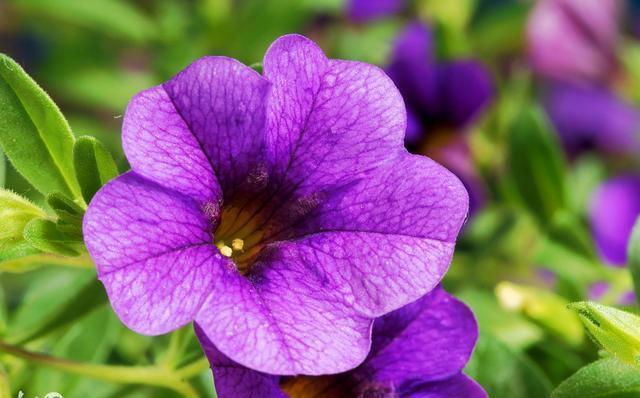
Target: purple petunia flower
(574, 40)
(418, 351)
(281, 211)
(438, 95)
(367, 10)
(592, 118)
(615, 206)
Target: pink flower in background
(574, 40)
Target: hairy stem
(149, 375)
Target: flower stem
(149, 375)
(28, 263)
(193, 369)
(176, 344)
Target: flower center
(239, 235)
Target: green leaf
(33, 133)
(505, 373)
(604, 378)
(69, 214)
(3, 169)
(106, 88)
(512, 328)
(90, 297)
(573, 233)
(115, 18)
(634, 257)
(616, 331)
(500, 32)
(47, 237)
(537, 166)
(94, 166)
(15, 212)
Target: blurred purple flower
(448, 95)
(417, 351)
(597, 290)
(281, 212)
(574, 40)
(593, 118)
(615, 206)
(456, 155)
(367, 10)
(627, 298)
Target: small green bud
(15, 212)
(616, 331)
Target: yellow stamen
(237, 244)
(224, 249)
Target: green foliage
(69, 214)
(3, 169)
(15, 213)
(45, 235)
(537, 166)
(616, 331)
(633, 254)
(604, 378)
(116, 18)
(506, 373)
(93, 164)
(33, 133)
(546, 308)
(84, 301)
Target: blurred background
(533, 104)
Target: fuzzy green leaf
(616, 331)
(604, 378)
(94, 165)
(46, 236)
(69, 214)
(537, 166)
(15, 213)
(34, 135)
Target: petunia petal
(418, 351)
(455, 387)
(430, 339)
(153, 252)
(328, 120)
(400, 222)
(314, 296)
(160, 146)
(236, 381)
(222, 103)
(411, 195)
(271, 323)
